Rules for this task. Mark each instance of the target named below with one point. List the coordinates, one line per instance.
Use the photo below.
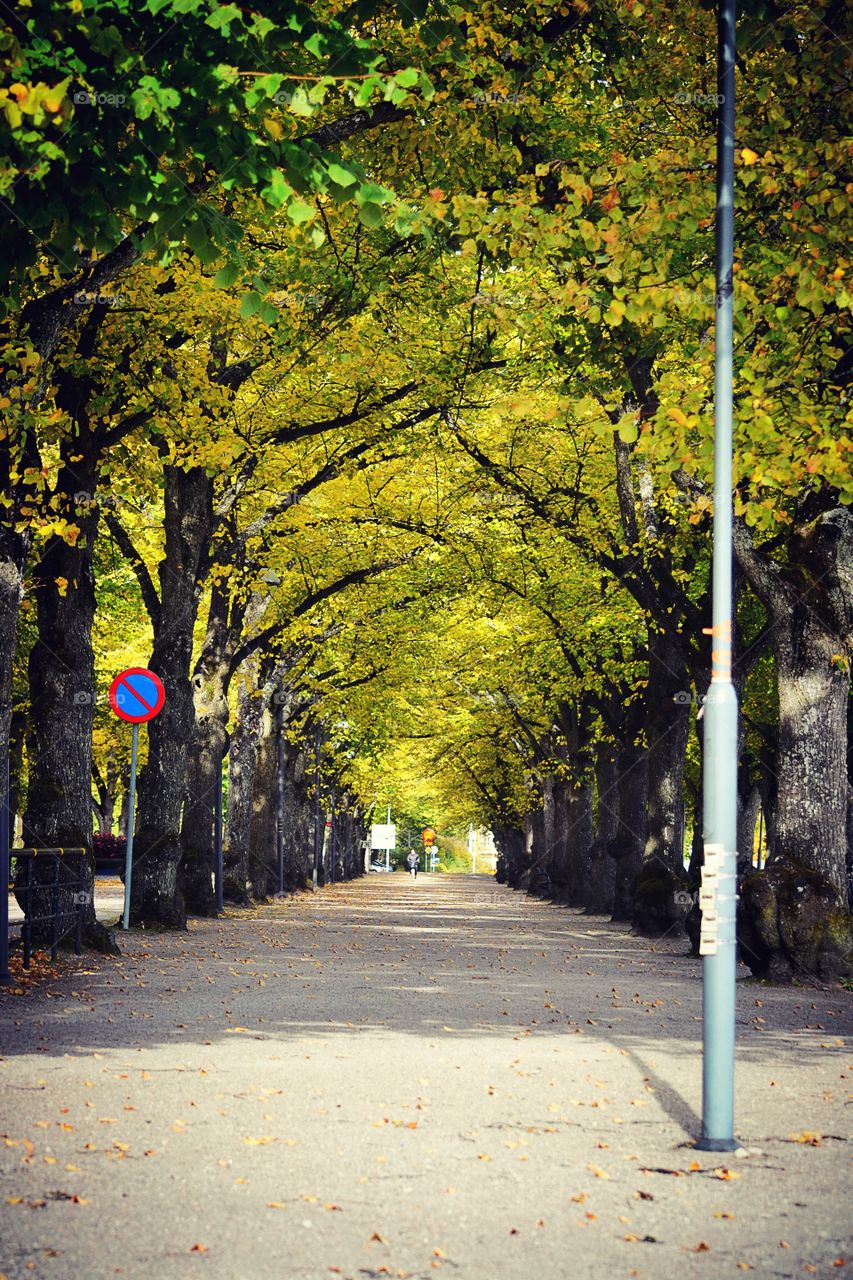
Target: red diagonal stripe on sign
(124, 681)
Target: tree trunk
(211, 681)
(156, 898)
(13, 555)
(667, 728)
(540, 827)
(748, 811)
(811, 767)
(241, 773)
(205, 757)
(62, 707)
(544, 828)
(262, 827)
(561, 840)
(17, 737)
(579, 836)
(602, 868)
(298, 818)
(107, 790)
(511, 844)
(794, 916)
(124, 807)
(626, 847)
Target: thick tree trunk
(544, 828)
(560, 839)
(602, 868)
(667, 728)
(579, 838)
(626, 847)
(748, 811)
(298, 817)
(17, 737)
(540, 826)
(62, 706)
(241, 773)
(795, 917)
(511, 844)
(205, 757)
(262, 827)
(211, 681)
(811, 767)
(156, 898)
(13, 555)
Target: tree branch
(123, 541)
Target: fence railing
(55, 899)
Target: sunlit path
(398, 1078)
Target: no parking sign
(136, 695)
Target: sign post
(383, 836)
(428, 837)
(137, 696)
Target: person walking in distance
(412, 863)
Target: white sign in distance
(383, 835)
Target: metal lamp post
(718, 897)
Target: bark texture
(601, 882)
(156, 897)
(810, 605)
(62, 706)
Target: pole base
(715, 1144)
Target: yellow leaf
(748, 156)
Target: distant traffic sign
(137, 695)
(383, 835)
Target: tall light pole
(318, 848)
(718, 897)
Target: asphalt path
(409, 1079)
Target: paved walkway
(409, 1080)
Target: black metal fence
(50, 886)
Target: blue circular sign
(137, 695)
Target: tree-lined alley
(356, 377)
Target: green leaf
(250, 304)
(341, 176)
(227, 276)
(298, 211)
(269, 84)
(317, 44)
(370, 215)
(408, 78)
(628, 432)
(298, 102)
(372, 193)
(277, 189)
(222, 17)
(200, 242)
